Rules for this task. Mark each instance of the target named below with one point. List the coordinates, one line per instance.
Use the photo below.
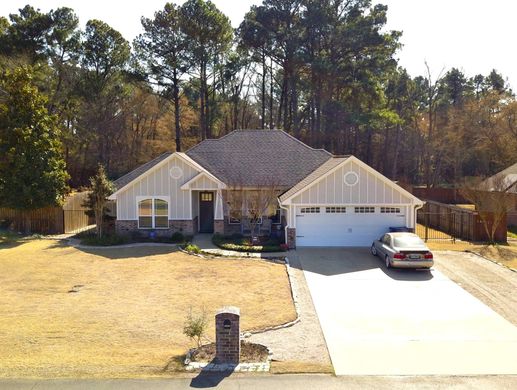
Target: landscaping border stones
(241, 367)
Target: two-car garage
(345, 225)
(345, 202)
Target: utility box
(227, 335)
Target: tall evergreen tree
(32, 170)
(163, 49)
(210, 34)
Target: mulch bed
(250, 353)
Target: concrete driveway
(402, 322)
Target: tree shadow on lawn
(127, 253)
(337, 261)
(10, 239)
(116, 253)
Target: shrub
(192, 248)
(5, 223)
(239, 243)
(177, 237)
(195, 326)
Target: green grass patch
(8, 237)
(192, 248)
(243, 244)
(512, 231)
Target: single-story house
(506, 180)
(323, 200)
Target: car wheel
(373, 250)
(387, 259)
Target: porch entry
(206, 212)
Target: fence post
(453, 231)
(426, 219)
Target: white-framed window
(310, 210)
(364, 210)
(351, 178)
(153, 212)
(335, 209)
(234, 217)
(390, 210)
(176, 172)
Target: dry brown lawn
(67, 312)
(504, 254)
(288, 367)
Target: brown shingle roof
(316, 174)
(258, 157)
(129, 177)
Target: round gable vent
(351, 178)
(176, 172)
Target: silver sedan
(404, 250)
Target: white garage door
(345, 225)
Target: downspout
(287, 219)
(418, 207)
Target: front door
(206, 212)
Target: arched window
(153, 213)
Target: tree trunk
(176, 99)
(396, 153)
(98, 221)
(202, 102)
(271, 91)
(264, 70)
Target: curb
(491, 260)
(290, 278)
(294, 296)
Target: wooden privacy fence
(442, 195)
(71, 217)
(48, 220)
(444, 221)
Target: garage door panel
(343, 229)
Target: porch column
(218, 213)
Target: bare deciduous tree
(252, 204)
(492, 201)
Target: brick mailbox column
(227, 335)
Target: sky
(475, 36)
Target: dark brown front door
(206, 212)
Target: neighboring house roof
(316, 174)
(129, 177)
(258, 157)
(509, 176)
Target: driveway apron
(379, 321)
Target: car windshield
(408, 242)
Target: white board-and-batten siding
(369, 190)
(159, 183)
(203, 182)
